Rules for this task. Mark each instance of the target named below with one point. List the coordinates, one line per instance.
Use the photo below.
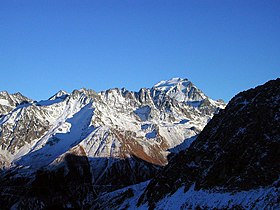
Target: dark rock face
(239, 149)
(113, 202)
(69, 186)
(122, 173)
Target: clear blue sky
(222, 46)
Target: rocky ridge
(233, 164)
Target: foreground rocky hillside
(233, 164)
(115, 138)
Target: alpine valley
(158, 148)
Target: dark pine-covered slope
(238, 150)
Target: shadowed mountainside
(70, 184)
(239, 149)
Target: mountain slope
(238, 150)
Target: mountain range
(119, 149)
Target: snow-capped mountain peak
(183, 90)
(59, 94)
(10, 101)
(166, 85)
